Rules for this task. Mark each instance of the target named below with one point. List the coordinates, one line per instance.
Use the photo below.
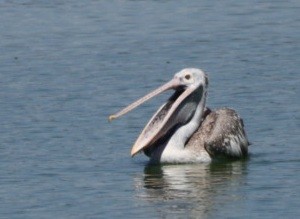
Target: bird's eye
(187, 77)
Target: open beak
(163, 120)
(175, 82)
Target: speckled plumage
(221, 133)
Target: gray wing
(227, 135)
(222, 134)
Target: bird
(184, 130)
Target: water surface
(65, 66)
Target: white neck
(174, 151)
(179, 138)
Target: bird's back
(221, 133)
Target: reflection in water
(189, 190)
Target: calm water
(66, 65)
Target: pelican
(183, 130)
